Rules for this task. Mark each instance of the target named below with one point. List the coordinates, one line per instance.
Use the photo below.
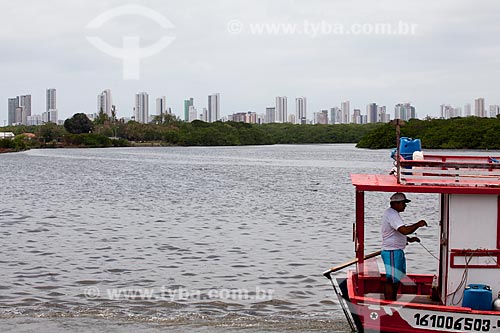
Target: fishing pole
(432, 254)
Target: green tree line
(455, 133)
(79, 131)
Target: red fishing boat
(459, 297)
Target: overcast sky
(452, 57)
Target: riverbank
(455, 133)
(198, 133)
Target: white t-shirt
(392, 239)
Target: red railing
(451, 171)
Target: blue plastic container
(477, 297)
(407, 146)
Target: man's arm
(413, 239)
(409, 229)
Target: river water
(222, 239)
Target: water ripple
(184, 221)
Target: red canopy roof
(388, 183)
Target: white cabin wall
(473, 225)
(473, 221)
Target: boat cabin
(469, 194)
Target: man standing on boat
(394, 240)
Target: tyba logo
(131, 53)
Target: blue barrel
(477, 297)
(407, 146)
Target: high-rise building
(356, 116)
(321, 117)
(467, 110)
(141, 109)
(301, 110)
(335, 115)
(244, 117)
(25, 102)
(382, 115)
(53, 116)
(372, 113)
(404, 111)
(270, 115)
(399, 112)
(251, 117)
(204, 115)
(50, 99)
(494, 111)
(213, 107)
(445, 111)
(479, 110)
(20, 114)
(161, 106)
(50, 116)
(104, 102)
(193, 114)
(346, 110)
(35, 120)
(261, 119)
(13, 105)
(187, 104)
(281, 109)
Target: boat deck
(414, 289)
(407, 298)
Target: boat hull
(373, 315)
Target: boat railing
(440, 170)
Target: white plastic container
(418, 155)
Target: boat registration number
(455, 323)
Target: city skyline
(19, 110)
(439, 62)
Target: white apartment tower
(141, 108)
(50, 114)
(13, 105)
(467, 110)
(494, 111)
(25, 104)
(346, 112)
(270, 115)
(213, 107)
(382, 115)
(479, 110)
(204, 115)
(193, 114)
(404, 111)
(335, 115)
(281, 109)
(301, 110)
(356, 116)
(161, 106)
(372, 113)
(50, 99)
(104, 102)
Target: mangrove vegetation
(455, 133)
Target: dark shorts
(395, 265)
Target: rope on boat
(428, 251)
(462, 284)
